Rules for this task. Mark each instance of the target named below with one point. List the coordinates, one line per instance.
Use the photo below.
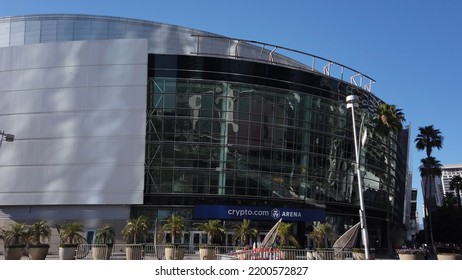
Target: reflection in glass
(209, 137)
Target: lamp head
(352, 101)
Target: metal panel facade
(78, 111)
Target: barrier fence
(195, 252)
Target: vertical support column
(223, 138)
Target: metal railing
(259, 51)
(92, 252)
(196, 252)
(329, 255)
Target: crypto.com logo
(275, 213)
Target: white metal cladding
(78, 112)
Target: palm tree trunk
(426, 223)
(427, 215)
(431, 233)
(430, 227)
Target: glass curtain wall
(225, 138)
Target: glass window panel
(49, 27)
(4, 34)
(17, 33)
(134, 31)
(32, 39)
(5, 27)
(82, 26)
(17, 39)
(99, 30)
(117, 28)
(65, 26)
(82, 36)
(48, 31)
(32, 32)
(82, 30)
(64, 37)
(48, 39)
(33, 26)
(99, 25)
(17, 27)
(4, 42)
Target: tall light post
(352, 102)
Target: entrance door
(196, 238)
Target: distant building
(437, 188)
(410, 200)
(412, 219)
(447, 172)
(432, 192)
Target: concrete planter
(101, 252)
(67, 253)
(134, 252)
(14, 253)
(38, 252)
(174, 253)
(207, 253)
(324, 255)
(449, 256)
(362, 256)
(411, 256)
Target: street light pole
(352, 102)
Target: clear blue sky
(411, 48)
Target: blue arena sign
(229, 212)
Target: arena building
(116, 117)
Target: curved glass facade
(229, 131)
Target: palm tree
(105, 235)
(135, 230)
(38, 232)
(428, 138)
(285, 235)
(243, 231)
(449, 201)
(71, 234)
(214, 230)
(320, 233)
(14, 240)
(429, 169)
(390, 120)
(15, 235)
(176, 225)
(456, 185)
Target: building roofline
(310, 62)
